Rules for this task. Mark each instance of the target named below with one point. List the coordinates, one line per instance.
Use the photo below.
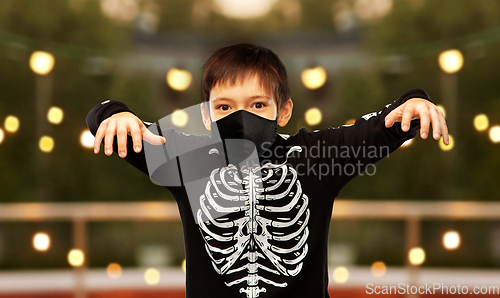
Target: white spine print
(255, 227)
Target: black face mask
(261, 132)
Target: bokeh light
(87, 139)
(494, 133)
(11, 123)
(451, 240)
(244, 9)
(120, 10)
(372, 9)
(481, 122)
(179, 79)
(41, 241)
(114, 270)
(442, 110)
(378, 269)
(1, 135)
(55, 115)
(152, 276)
(340, 275)
(451, 61)
(76, 257)
(450, 146)
(407, 143)
(41, 62)
(314, 77)
(183, 265)
(180, 118)
(46, 144)
(313, 116)
(416, 256)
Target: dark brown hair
(235, 63)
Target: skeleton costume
(257, 226)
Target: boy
(256, 219)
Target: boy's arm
(120, 134)
(375, 135)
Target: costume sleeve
(348, 150)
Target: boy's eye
(223, 107)
(259, 105)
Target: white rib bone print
(254, 223)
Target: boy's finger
(152, 138)
(444, 132)
(136, 134)
(407, 115)
(436, 124)
(121, 137)
(108, 138)
(425, 120)
(391, 117)
(99, 136)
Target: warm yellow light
(378, 269)
(481, 122)
(313, 116)
(183, 265)
(340, 274)
(87, 139)
(41, 241)
(244, 9)
(495, 133)
(11, 123)
(76, 257)
(407, 143)
(451, 61)
(179, 79)
(350, 122)
(313, 77)
(451, 240)
(152, 276)
(1, 135)
(180, 118)
(416, 256)
(55, 115)
(42, 62)
(442, 110)
(46, 144)
(450, 145)
(114, 270)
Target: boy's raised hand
(427, 112)
(121, 124)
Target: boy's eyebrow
(251, 97)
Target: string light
(416, 256)
(41, 62)
(450, 145)
(76, 257)
(46, 144)
(495, 133)
(55, 115)
(41, 241)
(451, 240)
(1, 135)
(114, 270)
(179, 79)
(313, 116)
(481, 122)
(152, 276)
(314, 77)
(180, 118)
(87, 139)
(11, 124)
(451, 61)
(378, 269)
(340, 275)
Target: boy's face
(246, 96)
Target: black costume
(260, 229)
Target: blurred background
(345, 58)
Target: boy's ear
(205, 114)
(286, 113)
